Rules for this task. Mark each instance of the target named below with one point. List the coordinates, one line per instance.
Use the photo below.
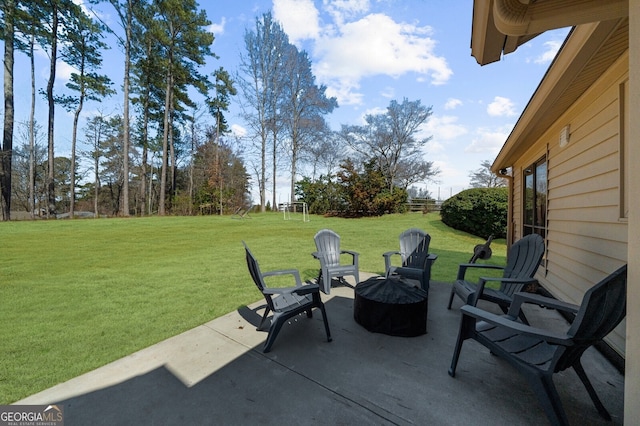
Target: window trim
(624, 167)
(534, 226)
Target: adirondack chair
(328, 253)
(415, 258)
(241, 213)
(536, 353)
(523, 260)
(284, 302)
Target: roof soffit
(522, 17)
(487, 43)
(501, 26)
(588, 51)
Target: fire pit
(392, 305)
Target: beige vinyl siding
(586, 240)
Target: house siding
(586, 238)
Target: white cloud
(488, 141)
(551, 49)
(64, 71)
(217, 29)
(452, 103)
(501, 107)
(372, 111)
(388, 92)
(299, 18)
(348, 44)
(444, 127)
(238, 131)
(340, 10)
(375, 45)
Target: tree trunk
(51, 193)
(96, 188)
(263, 175)
(172, 155)
(165, 143)
(125, 144)
(294, 160)
(74, 136)
(7, 140)
(32, 131)
(145, 155)
(274, 206)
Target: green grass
(75, 295)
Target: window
(535, 199)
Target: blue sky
(367, 53)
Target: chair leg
(276, 325)
(547, 395)
(456, 356)
(467, 328)
(592, 392)
(264, 318)
(326, 322)
(344, 282)
(453, 293)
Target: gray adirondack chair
(414, 256)
(329, 254)
(284, 302)
(536, 353)
(523, 260)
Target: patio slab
(217, 374)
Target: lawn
(77, 294)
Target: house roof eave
(573, 66)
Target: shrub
(355, 192)
(478, 211)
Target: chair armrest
(307, 289)
(387, 259)
(428, 261)
(510, 280)
(351, 252)
(484, 280)
(547, 302)
(462, 268)
(280, 272)
(527, 330)
(280, 290)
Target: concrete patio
(217, 374)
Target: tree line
(165, 44)
(164, 153)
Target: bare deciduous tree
(391, 139)
(484, 178)
(260, 80)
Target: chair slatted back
(603, 308)
(414, 246)
(523, 260)
(256, 275)
(328, 245)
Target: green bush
(478, 211)
(355, 192)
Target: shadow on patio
(217, 374)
